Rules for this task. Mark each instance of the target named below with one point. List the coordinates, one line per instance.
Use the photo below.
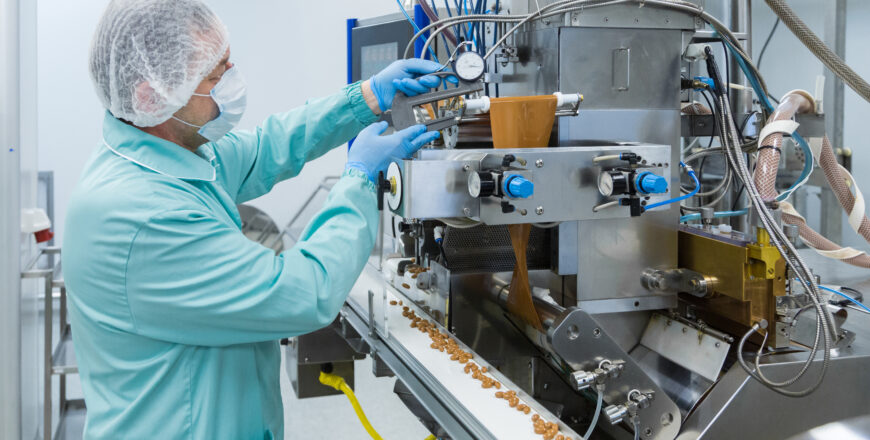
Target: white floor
(332, 417)
(327, 417)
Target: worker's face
(200, 109)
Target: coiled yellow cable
(339, 384)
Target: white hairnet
(148, 56)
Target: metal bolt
(685, 330)
(596, 332)
(648, 432)
(466, 167)
(539, 163)
(539, 210)
(546, 386)
(466, 211)
(718, 344)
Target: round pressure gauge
(469, 66)
(394, 176)
(481, 184)
(611, 183)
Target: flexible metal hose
(792, 258)
(819, 49)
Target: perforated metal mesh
(488, 249)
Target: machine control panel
(531, 185)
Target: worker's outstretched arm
(252, 162)
(194, 279)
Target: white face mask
(230, 95)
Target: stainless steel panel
(684, 387)
(731, 410)
(691, 348)
(566, 185)
(565, 178)
(615, 252)
(566, 260)
(629, 125)
(537, 72)
(437, 188)
(630, 16)
(628, 304)
(854, 428)
(592, 60)
(579, 340)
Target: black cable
(766, 42)
(737, 197)
(727, 69)
(746, 120)
(720, 88)
(715, 119)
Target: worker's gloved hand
(405, 76)
(372, 153)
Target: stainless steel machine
(639, 318)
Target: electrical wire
(416, 28)
(337, 382)
(767, 42)
(853, 300)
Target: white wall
(290, 51)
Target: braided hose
(812, 42)
(770, 148)
(824, 246)
(839, 179)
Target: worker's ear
(145, 99)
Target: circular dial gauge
(605, 184)
(481, 184)
(394, 197)
(469, 66)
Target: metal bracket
(402, 115)
(582, 343)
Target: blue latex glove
(372, 153)
(405, 76)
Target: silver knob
(616, 413)
(582, 380)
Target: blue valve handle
(649, 183)
(517, 187)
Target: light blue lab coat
(175, 314)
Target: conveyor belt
(462, 399)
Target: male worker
(175, 314)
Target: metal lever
(402, 115)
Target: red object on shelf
(43, 235)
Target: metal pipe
(547, 311)
(10, 227)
